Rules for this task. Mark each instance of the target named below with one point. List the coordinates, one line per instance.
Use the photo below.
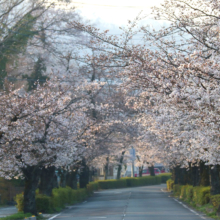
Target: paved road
(139, 203)
(5, 211)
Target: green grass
(207, 209)
(20, 216)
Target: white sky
(114, 12)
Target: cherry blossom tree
(176, 81)
(43, 128)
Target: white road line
(162, 190)
(70, 207)
(194, 212)
(54, 216)
(96, 217)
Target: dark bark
(32, 176)
(84, 174)
(214, 180)
(204, 174)
(62, 174)
(106, 169)
(195, 176)
(48, 180)
(91, 174)
(141, 171)
(182, 176)
(189, 175)
(120, 165)
(151, 169)
(176, 174)
(71, 179)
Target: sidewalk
(6, 211)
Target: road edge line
(191, 210)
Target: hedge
(112, 184)
(131, 182)
(215, 200)
(199, 195)
(170, 184)
(67, 196)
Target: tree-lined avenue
(139, 203)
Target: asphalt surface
(5, 211)
(138, 203)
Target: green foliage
(215, 200)
(189, 193)
(177, 189)
(201, 195)
(91, 187)
(112, 184)
(43, 203)
(59, 199)
(130, 182)
(170, 184)
(19, 199)
(37, 75)
(15, 41)
(19, 215)
(183, 192)
(165, 177)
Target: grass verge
(20, 215)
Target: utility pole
(132, 152)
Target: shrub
(177, 189)
(112, 184)
(170, 184)
(165, 177)
(142, 181)
(201, 195)
(43, 203)
(189, 193)
(19, 199)
(183, 192)
(215, 200)
(58, 200)
(91, 187)
(81, 194)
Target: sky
(115, 11)
(110, 15)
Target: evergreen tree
(37, 74)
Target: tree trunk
(84, 174)
(204, 174)
(214, 180)
(48, 180)
(195, 176)
(141, 171)
(151, 169)
(189, 175)
(120, 165)
(106, 169)
(71, 179)
(176, 174)
(63, 174)
(182, 176)
(32, 176)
